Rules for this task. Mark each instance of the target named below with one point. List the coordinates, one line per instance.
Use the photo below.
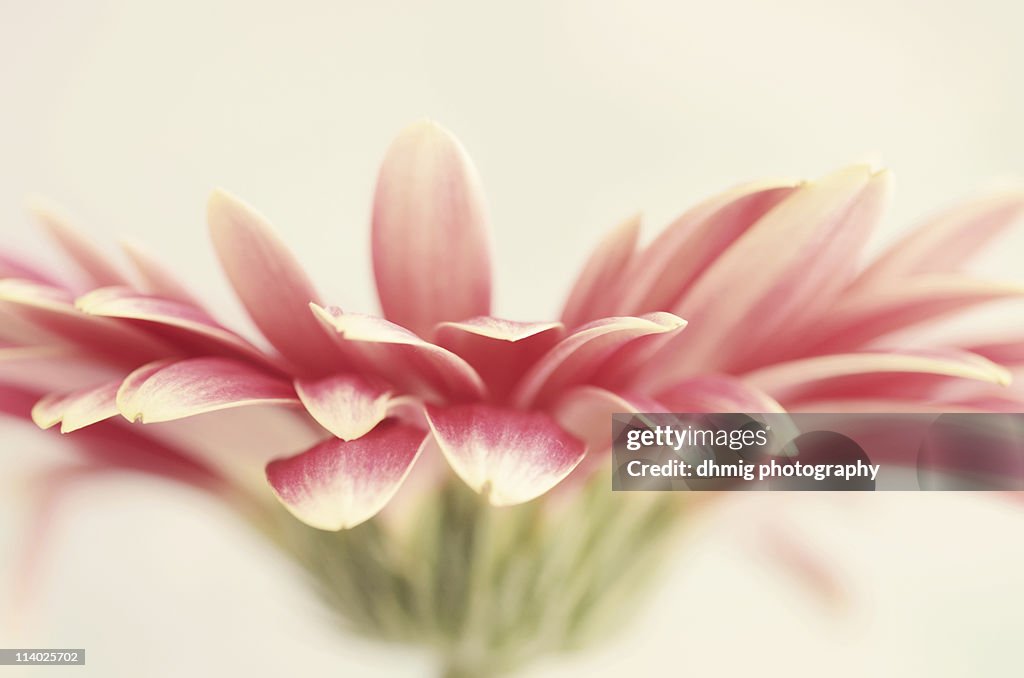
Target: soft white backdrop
(577, 113)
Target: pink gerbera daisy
(755, 300)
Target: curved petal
(77, 409)
(510, 456)
(270, 283)
(347, 405)
(591, 296)
(52, 311)
(499, 350)
(134, 381)
(185, 325)
(99, 270)
(718, 393)
(339, 484)
(582, 354)
(793, 261)
(198, 385)
(665, 269)
(156, 278)
(819, 377)
(400, 357)
(946, 242)
(431, 250)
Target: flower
(779, 314)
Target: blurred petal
(51, 310)
(156, 278)
(499, 350)
(199, 385)
(16, 401)
(339, 484)
(894, 405)
(591, 296)
(861, 316)
(77, 409)
(12, 267)
(809, 378)
(666, 268)
(509, 456)
(270, 283)
(397, 355)
(47, 490)
(581, 355)
(431, 252)
(945, 243)
(100, 271)
(717, 393)
(1009, 353)
(812, 569)
(42, 369)
(181, 323)
(347, 405)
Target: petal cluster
(755, 300)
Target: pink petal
(793, 260)
(717, 393)
(187, 327)
(131, 384)
(16, 401)
(347, 405)
(42, 369)
(198, 385)
(510, 456)
(77, 409)
(270, 283)
(15, 329)
(400, 357)
(100, 271)
(51, 311)
(157, 279)
(339, 484)
(666, 268)
(499, 350)
(894, 405)
(814, 378)
(431, 250)
(12, 267)
(581, 355)
(1010, 353)
(948, 241)
(862, 316)
(117, 445)
(592, 293)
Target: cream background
(577, 114)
